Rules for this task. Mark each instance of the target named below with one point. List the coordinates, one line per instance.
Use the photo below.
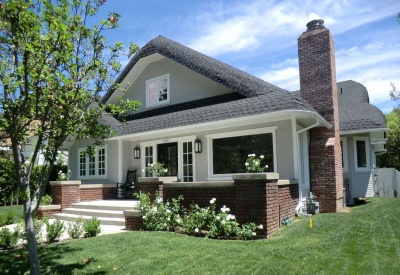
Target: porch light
(197, 146)
(136, 152)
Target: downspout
(300, 204)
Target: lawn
(18, 210)
(365, 240)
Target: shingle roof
(239, 81)
(355, 111)
(268, 103)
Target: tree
(391, 158)
(53, 68)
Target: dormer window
(157, 91)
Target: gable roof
(355, 111)
(239, 81)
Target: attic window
(157, 91)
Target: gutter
(309, 127)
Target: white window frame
(367, 152)
(180, 141)
(156, 79)
(96, 175)
(266, 130)
(345, 167)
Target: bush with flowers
(253, 164)
(156, 169)
(197, 221)
(64, 176)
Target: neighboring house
(189, 98)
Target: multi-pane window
(92, 165)
(148, 157)
(187, 161)
(157, 91)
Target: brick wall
(201, 194)
(102, 192)
(151, 186)
(47, 211)
(133, 220)
(288, 200)
(318, 87)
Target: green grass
(364, 241)
(18, 210)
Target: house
(202, 117)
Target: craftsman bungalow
(323, 137)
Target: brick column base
(65, 193)
(47, 211)
(133, 220)
(151, 185)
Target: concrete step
(112, 205)
(103, 220)
(94, 212)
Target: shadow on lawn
(16, 261)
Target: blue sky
(260, 36)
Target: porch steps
(109, 212)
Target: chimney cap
(315, 24)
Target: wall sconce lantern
(136, 152)
(197, 146)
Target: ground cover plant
(366, 240)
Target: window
(361, 154)
(148, 158)
(230, 151)
(343, 145)
(92, 166)
(157, 91)
(187, 161)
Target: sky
(260, 36)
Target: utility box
(312, 205)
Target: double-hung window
(157, 91)
(92, 166)
(361, 154)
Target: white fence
(387, 183)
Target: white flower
(165, 225)
(144, 217)
(253, 233)
(151, 165)
(168, 219)
(262, 156)
(218, 217)
(233, 217)
(178, 220)
(266, 166)
(253, 155)
(60, 172)
(214, 199)
(196, 230)
(260, 226)
(154, 209)
(247, 164)
(159, 200)
(211, 202)
(148, 164)
(165, 170)
(250, 155)
(257, 163)
(223, 222)
(168, 211)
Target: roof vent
(315, 24)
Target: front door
(167, 153)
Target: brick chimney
(318, 87)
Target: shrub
(37, 225)
(159, 216)
(54, 230)
(75, 229)
(10, 217)
(8, 239)
(46, 200)
(197, 221)
(92, 227)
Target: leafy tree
(53, 68)
(391, 158)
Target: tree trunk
(31, 238)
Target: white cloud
(287, 78)
(249, 25)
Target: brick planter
(48, 211)
(91, 192)
(65, 193)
